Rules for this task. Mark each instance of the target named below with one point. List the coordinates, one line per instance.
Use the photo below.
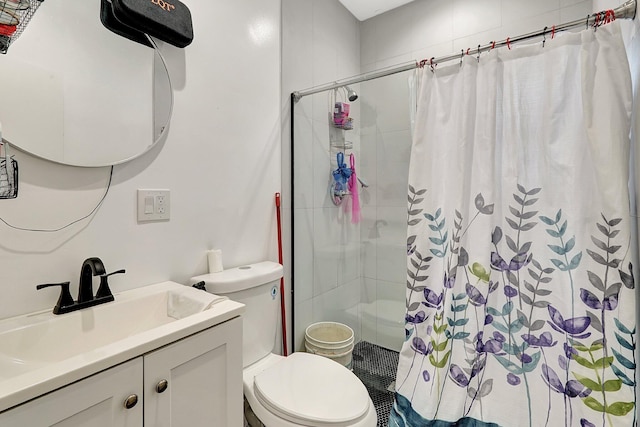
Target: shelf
(14, 17)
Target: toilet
(299, 390)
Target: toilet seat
(319, 392)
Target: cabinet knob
(162, 386)
(131, 401)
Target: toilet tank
(257, 286)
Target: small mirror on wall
(75, 93)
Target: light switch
(148, 204)
(153, 205)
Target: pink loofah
(352, 185)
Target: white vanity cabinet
(203, 375)
(196, 381)
(97, 401)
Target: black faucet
(90, 267)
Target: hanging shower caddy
(344, 182)
(14, 18)
(339, 125)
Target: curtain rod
(625, 11)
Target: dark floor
(376, 367)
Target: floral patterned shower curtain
(520, 293)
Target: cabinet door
(203, 375)
(97, 401)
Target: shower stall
(353, 273)
(345, 270)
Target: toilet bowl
(299, 390)
(306, 390)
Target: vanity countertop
(34, 362)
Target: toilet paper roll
(214, 258)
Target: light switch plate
(154, 205)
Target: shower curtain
(520, 296)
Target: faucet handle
(199, 285)
(65, 299)
(103, 290)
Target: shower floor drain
(376, 367)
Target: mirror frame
(161, 110)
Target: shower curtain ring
(432, 65)
(544, 36)
(478, 57)
(461, 56)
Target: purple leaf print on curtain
(609, 303)
(573, 327)
(516, 263)
(493, 346)
(458, 376)
(513, 379)
(449, 282)
(572, 388)
(420, 347)
(569, 351)
(545, 340)
(510, 291)
(432, 299)
(420, 317)
(475, 296)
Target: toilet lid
(312, 389)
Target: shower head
(351, 94)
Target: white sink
(40, 352)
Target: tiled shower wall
(321, 44)
(384, 159)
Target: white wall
(221, 161)
(321, 44)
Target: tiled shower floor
(376, 367)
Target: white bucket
(330, 339)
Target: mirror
(75, 93)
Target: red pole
(282, 302)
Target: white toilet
(302, 389)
